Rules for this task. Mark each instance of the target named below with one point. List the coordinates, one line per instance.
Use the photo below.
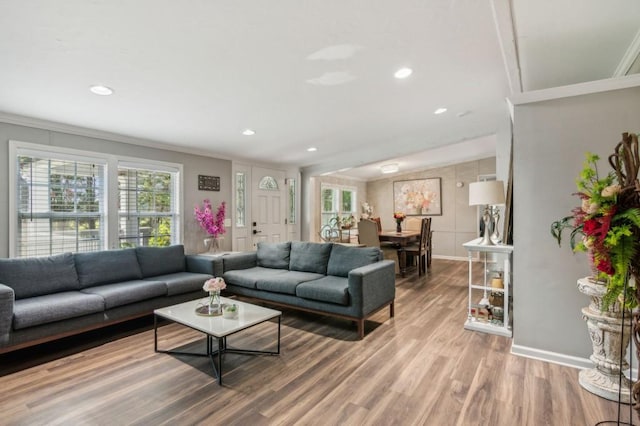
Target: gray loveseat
(332, 279)
(45, 298)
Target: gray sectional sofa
(45, 298)
(332, 279)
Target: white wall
(550, 139)
(193, 166)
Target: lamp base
(486, 237)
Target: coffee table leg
(220, 349)
(155, 333)
(279, 320)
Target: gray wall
(550, 139)
(458, 223)
(193, 165)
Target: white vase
(607, 333)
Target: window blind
(60, 205)
(147, 206)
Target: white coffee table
(216, 327)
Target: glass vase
(212, 244)
(215, 307)
(398, 227)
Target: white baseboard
(439, 256)
(553, 357)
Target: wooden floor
(420, 368)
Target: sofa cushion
(343, 259)
(249, 277)
(327, 289)
(54, 307)
(128, 292)
(182, 282)
(274, 255)
(36, 276)
(309, 257)
(287, 282)
(109, 266)
(161, 260)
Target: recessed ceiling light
(248, 132)
(440, 111)
(98, 89)
(312, 149)
(389, 168)
(403, 73)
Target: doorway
(260, 206)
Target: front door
(268, 205)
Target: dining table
(401, 239)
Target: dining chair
(414, 223)
(378, 222)
(422, 250)
(368, 235)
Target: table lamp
(486, 193)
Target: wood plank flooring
(420, 368)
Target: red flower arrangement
(607, 230)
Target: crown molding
(54, 126)
(629, 57)
(587, 88)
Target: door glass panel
(241, 199)
(269, 183)
(292, 201)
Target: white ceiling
(194, 74)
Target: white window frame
(110, 202)
(338, 200)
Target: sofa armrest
(372, 286)
(7, 298)
(244, 260)
(204, 264)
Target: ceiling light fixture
(312, 149)
(389, 168)
(101, 90)
(440, 111)
(248, 132)
(403, 73)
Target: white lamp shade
(489, 192)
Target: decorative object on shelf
(399, 217)
(487, 193)
(367, 211)
(214, 286)
(608, 222)
(496, 281)
(419, 197)
(495, 215)
(213, 225)
(230, 311)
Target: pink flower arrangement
(214, 225)
(214, 284)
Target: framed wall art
(419, 197)
(208, 183)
